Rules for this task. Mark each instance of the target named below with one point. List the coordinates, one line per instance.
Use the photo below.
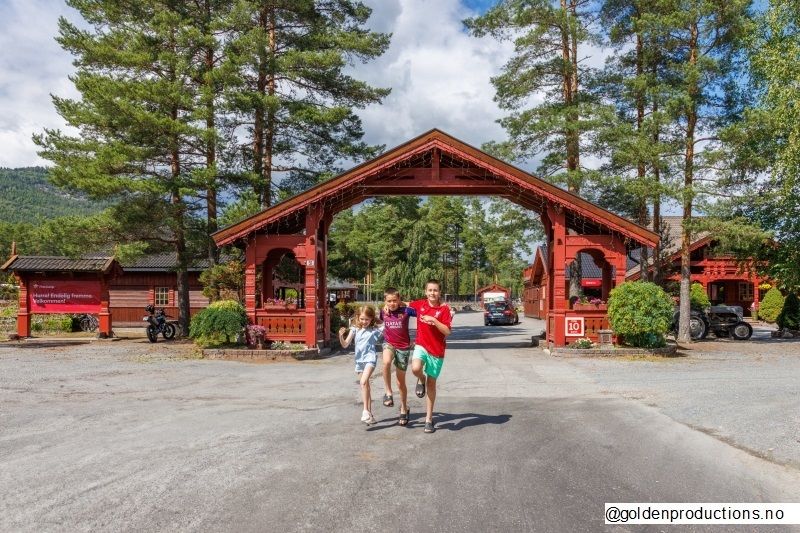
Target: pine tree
(703, 40)
(288, 89)
(136, 119)
(548, 40)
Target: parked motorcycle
(157, 323)
(723, 320)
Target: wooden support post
(104, 316)
(606, 284)
(250, 280)
(23, 315)
(313, 218)
(556, 271)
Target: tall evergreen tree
(138, 131)
(704, 40)
(288, 87)
(639, 143)
(548, 65)
(764, 151)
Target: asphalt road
(130, 436)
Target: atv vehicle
(723, 320)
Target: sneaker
(365, 415)
(370, 420)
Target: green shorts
(400, 357)
(432, 365)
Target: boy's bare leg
(387, 370)
(430, 398)
(366, 393)
(416, 369)
(401, 384)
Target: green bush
(641, 312)
(51, 323)
(771, 306)
(699, 296)
(790, 314)
(219, 323)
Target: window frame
(161, 291)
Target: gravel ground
(744, 393)
(135, 436)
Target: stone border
(670, 350)
(246, 355)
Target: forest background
(195, 114)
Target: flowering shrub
(255, 334)
(596, 301)
(582, 344)
(280, 301)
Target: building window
(745, 291)
(162, 295)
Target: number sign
(574, 326)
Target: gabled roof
(493, 287)
(399, 171)
(33, 263)
(168, 262)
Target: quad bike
(722, 320)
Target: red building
(725, 280)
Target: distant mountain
(27, 196)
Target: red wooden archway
(432, 164)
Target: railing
(288, 324)
(281, 323)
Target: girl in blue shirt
(367, 336)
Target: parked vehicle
(499, 313)
(722, 320)
(157, 323)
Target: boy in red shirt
(434, 320)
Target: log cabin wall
(132, 291)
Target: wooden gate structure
(434, 163)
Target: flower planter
(589, 307)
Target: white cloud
(439, 74)
(32, 66)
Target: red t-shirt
(428, 336)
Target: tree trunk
(211, 155)
(686, 234)
(641, 170)
(269, 133)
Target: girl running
(366, 336)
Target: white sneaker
(370, 420)
(365, 415)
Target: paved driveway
(133, 436)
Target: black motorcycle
(157, 323)
(723, 320)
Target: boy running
(397, 348)
(434, 320)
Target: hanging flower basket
(589, 307)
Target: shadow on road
(444, 421)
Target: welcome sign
(66, 296)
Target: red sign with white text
(591, 282)
(67, 296)
(574, 326)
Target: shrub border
(245, 355)
(670, 350)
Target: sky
(439, 75)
